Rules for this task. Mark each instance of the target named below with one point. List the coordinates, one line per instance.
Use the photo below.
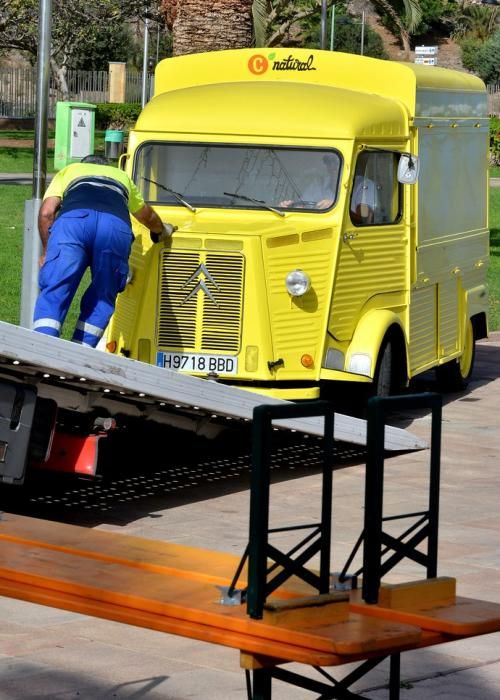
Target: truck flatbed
(82, 379)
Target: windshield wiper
(177, 196)
(256, 201)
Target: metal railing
(18, 90)
(493, 100)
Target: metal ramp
(83, 379)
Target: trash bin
(113, 143)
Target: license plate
(200, 364)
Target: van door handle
(349, 237)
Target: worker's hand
(41, 260)
(164, 234)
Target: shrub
(116, 115)
(482, 57)
(348, 39)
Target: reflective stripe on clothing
(47, 323)
(85, 336)
(96, 181)
(80, 342)
(89, 328)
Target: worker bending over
(84, 221)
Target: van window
(242, 177)
(376, 192)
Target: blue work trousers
(79, 239)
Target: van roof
(424, 90)
(275, 110)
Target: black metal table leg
(262, 679)
(394, 676)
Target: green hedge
(117, 115)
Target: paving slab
(46, 653)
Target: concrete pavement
(48, 654)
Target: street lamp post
(324, 12)
(332, 29)
(31, 241)
(144, 95)
(362, 49)
(347, 20)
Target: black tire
(383, 380)
(455, 375)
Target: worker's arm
(46, 217)
(149, 218)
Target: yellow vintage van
(332, 222)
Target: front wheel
(454, 375)
(383, 381)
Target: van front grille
(200, 304)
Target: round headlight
(297, 283)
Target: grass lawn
(19, 159)
(12, 198)
(494, 271)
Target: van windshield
(237, 177)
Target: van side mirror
(122, 161)
(408, 169)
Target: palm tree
(405, 25)
(278, 21)
(477, 22)
(208, 25)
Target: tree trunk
(404, 34)
(209, 25)
(59, 73)
(405, 40)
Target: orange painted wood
(134, 552)
(418, 595)
(251, 661)
(182, 598)
(192, 630)
(308, 612)
(461, 617)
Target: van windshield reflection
(258, 177)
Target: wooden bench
(175, 589)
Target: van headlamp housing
(297, 283)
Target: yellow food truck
(332, 222)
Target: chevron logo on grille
(203, 278)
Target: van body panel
(257, 110)
(370, 333)
(244, 136)
(404, 82)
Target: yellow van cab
(332, 221)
